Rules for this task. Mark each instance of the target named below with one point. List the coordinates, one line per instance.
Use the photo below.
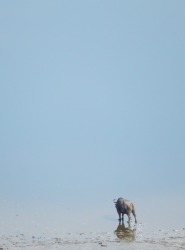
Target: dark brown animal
(127, 207)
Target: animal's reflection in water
(125, 233)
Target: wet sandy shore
(121, 238)
(52, 226)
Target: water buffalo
(124, 206)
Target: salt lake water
(93, 225)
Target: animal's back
(122, 201)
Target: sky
(92, 98)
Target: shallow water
(60, 226)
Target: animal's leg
(119, 214)
(134, 213)
(129, 217)
(122, 216)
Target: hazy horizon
(92, 99)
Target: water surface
(94, 225)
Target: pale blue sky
(92, 98)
